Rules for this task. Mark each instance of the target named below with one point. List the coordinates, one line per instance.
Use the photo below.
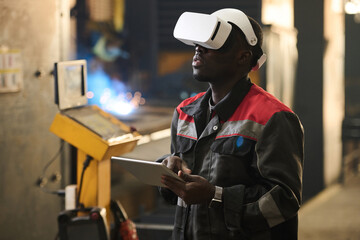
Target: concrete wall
(26, 144)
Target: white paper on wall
(11, 76)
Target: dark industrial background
(27, 146)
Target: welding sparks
(112, 95)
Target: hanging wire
(43, 180)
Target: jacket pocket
(235, 145)
(233, 211)
(183, 144)
(231, 161)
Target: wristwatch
(217, 199)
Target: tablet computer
(146, 171)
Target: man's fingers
(172, 183)
(186, 177)
(194, 189)
(174, 163)
(185, 169)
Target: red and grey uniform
(252, 146)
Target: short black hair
(256, 50)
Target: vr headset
(211, 31)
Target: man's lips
(197, 61)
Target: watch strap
(217, 196)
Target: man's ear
(244, 57)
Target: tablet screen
(146, 171)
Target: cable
(60, 192)
(53, 158)
(42, 181)
(85, 165)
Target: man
(238, 149)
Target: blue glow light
(110, 95)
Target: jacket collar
(226, 107)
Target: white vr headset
(211, 31)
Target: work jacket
(252, 146)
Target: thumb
(186, 177)
(186, 170)
(165, 162)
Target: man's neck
(220, 90)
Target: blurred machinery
(97, 135)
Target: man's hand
(195, 189)
(176, 164)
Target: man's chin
(200, 78)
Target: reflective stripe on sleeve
(270, 210)
(245, 128)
